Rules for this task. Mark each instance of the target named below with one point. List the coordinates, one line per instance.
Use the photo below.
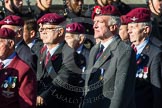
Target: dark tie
(100, 51)
(134, 48)
(47, 58)
(1, 65)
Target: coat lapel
(92, 55)
(40, 69)
(50, 68)
(107, 53)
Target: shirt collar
(31, 44)
(7, 61)
(106, 44)
(53, 50)
(141, 46)
(79, 50)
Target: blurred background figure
(155, 7)
(103, 2)
(73, 13)
(42, 7)
(73, 8)
(30, 32)
(15, 7)
(75, 38)
(123, 30)
(122, 7)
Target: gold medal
(13, 85)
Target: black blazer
(59, 81)
(26, 55)
(148, 91)
(110, 81)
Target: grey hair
(114, 20)
(143, 24)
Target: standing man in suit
(16, 23)
(110, 79)
(75, 38)
(17, 80)
(148, 90)
(58, 75)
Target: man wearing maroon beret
(17, 80)
(16, 23)
(58, 69)
(123, 30)
(110, 75)
(148, 89)
(75, 37)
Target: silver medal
(140, 75)
(5, 85)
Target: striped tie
(99, 52)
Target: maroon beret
(124, 19)
(139, 15)
(106, 10)
(51, 18)
(76, 28)
(7, 33)
(12, 20)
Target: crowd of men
(109, 56)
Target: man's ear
(32, 34)
(147, 29)
(11, 43)
(82, 38)
(61, 31)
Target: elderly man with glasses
(59, 73)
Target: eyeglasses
(48, 29)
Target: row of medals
(10, 82)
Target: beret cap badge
(97, 10)
(134, 19)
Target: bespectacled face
(50, 33)
(75, 5)
(136, 33)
